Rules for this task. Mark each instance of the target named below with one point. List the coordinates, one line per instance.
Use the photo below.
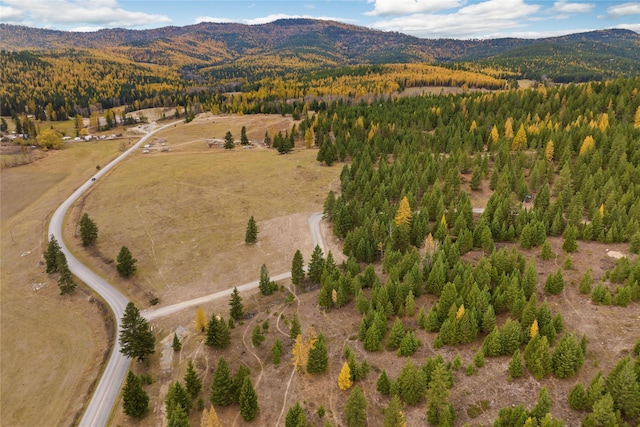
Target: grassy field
(52, 346)
(183, 214)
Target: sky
(459, 19)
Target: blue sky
(462, 19)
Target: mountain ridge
(353, 43)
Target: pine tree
(603, 415)
(266, 285)
(570, 235)
(536, 356)
(396, 335)
(554, 284)
(408, 345)
(177, 398)
(243, 136)
(546, 252)
(355, 412)
(256, 336)
(297, 269)
(192, 382)
(88, 230)
(201, 320)
(221, 387)
(178, 418)
(126, 262)
(238, 381)
(251, 235)
(623, 386)
(440, 412)
(65, 279)
(228, 141)
(516, 370)
(51, 255)
(218, 334)
(412, 383)
(248, 401)
(136, 338)
(295, 417)
(176, 345)
(585, 282)
(578, 397)
(294, 329)
(135, 401)
(543, 405)
(318, 361)
(383, 385)
(344, 378)
(567, 357)
(236, 310)
(276, 352)
(316, 265)
(393, 416)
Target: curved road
(104, 396)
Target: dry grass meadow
(52, 346)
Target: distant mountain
(307, 44)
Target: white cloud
(484, 19)
(563, 6)
(632, 27)
(10, 14)
(200, 19)
(624, 9)
(405, 7)
(92, 14)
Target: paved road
(150, 314)
(104, 396)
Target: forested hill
(321, 42)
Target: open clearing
(52, 346)
(183, 214)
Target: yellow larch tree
(604, 122)
(344, 379)
(430, 245)
(299, 359)
(508, 129)
(549, 150)
(587, 145)
(201, 320)
(210, 418)
(601, 210)
(636, 122)
(520, 140)
(301, 348)
(533, 331)
(460, 312)
(473, 126)
(372, 131)
(494, 135)
(403, 215)
(309, 137)
(443, 221)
